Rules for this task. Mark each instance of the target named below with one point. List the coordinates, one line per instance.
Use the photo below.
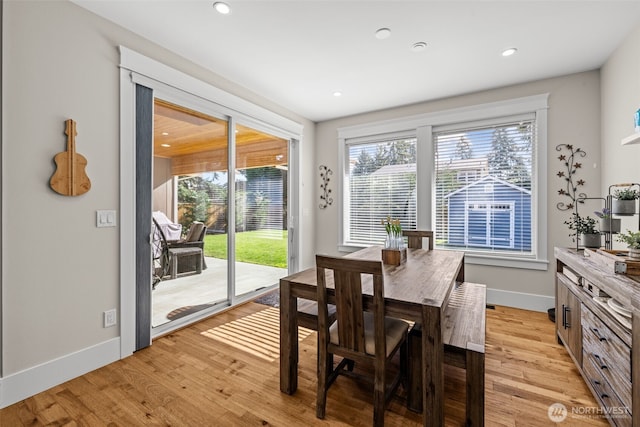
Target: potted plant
(624, 202)
(607, 222)
(633, 243)
(394, 251)
(584, 228)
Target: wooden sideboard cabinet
(599, 338)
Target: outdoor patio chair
(160, 254)
(193, 240)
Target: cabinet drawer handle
(602, 394)
(566, 310)
(600, 337)
(600, 361)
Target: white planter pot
(623, 207)
(591, 240)
(610, 225)
(634, 253)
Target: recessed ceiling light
(165, 133)
(383, 33)
(337, 93)
(222, 8)
(165, 145)
(509, 52)
(419, 47)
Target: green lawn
(263, 247)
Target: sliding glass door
(244, 247)
(261, 202)
(194, 156)
(190, 193)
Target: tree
(463, 148)
(365, 164)
(193, 195)
(505, 160)
(399, 152)
(525, 129)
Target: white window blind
(380, 182)
(484, 176)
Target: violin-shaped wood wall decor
(70, 178)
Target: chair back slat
(349, 310)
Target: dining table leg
(432, 365)
(288, 339)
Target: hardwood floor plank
(224, 371)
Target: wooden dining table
(417, 290)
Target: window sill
(495, 261)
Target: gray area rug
(272, 299)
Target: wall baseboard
(520, 300)
(24, 384)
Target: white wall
(163, 193)
(574, 117)
(59, 271)
(620, 83)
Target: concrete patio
(173, 298)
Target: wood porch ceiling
(196, 142)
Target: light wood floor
(224, 371)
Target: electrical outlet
(110, 318)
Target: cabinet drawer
(609, 354)
(617, 410)
(603, 340)
(611, 371)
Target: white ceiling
(297, 53)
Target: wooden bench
(463, 335)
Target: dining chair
(414, 238)
(357, 336)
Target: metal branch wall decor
(325, 198)
(569, 155)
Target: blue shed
(490, 213)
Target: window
(380, 182)
(475, 175)
(491, 209)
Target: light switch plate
(106, 218)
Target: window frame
(422, 126)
